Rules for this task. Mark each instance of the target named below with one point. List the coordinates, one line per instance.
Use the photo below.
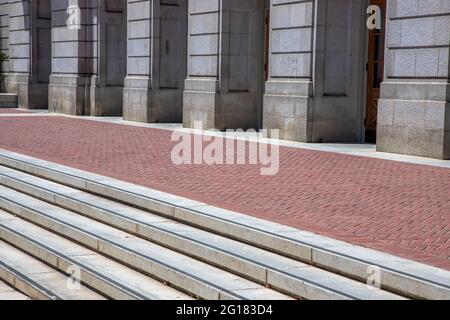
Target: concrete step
(9, 293)
(398, 275)
(37, 280)
(195, 277)
(110, 278)
(281, 273)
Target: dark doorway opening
(375, 73)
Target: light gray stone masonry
(88, 65)
(414, 110)
(4, 32)
(72, 59)
(316, 87)
(29, 51)
(157, 57)
(225, 64)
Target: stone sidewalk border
(398, 274)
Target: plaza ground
(396, 207)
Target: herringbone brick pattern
(395, 207)
(12, 111)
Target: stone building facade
(311, 68)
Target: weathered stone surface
(415, 105)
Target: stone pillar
(109, 58)
(315, 90)
(72, 59)
(29, 36)
(4, 37)
(225, 64)
(157, 57)
(414, 110)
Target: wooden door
(375, 68)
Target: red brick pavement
(400, 208)
(12, 111)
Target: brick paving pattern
(12, 111)
(400, 208)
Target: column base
(105, 101)
(69, 94)
(203, 102)
(414, 119)
(287, 107)
(142, 103)
(137, 97)
(30, 95)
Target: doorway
(41, 54)
(375, 73)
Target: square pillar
(315, 89)
(29, 51)
(414, 110)
(4, 40)
(224, 86)
(157, 57)
(72, 58)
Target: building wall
(316, 82)
(4, 33)
(223, 89)
(28, 21)
(414, 112)
(157, 60)
(202, 60)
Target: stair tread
(113, 271)
(136, 219)
(9, 293)
(38, 274)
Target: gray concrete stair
(68, 212)
(38, 280)
(110, 278)
(9, 293)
